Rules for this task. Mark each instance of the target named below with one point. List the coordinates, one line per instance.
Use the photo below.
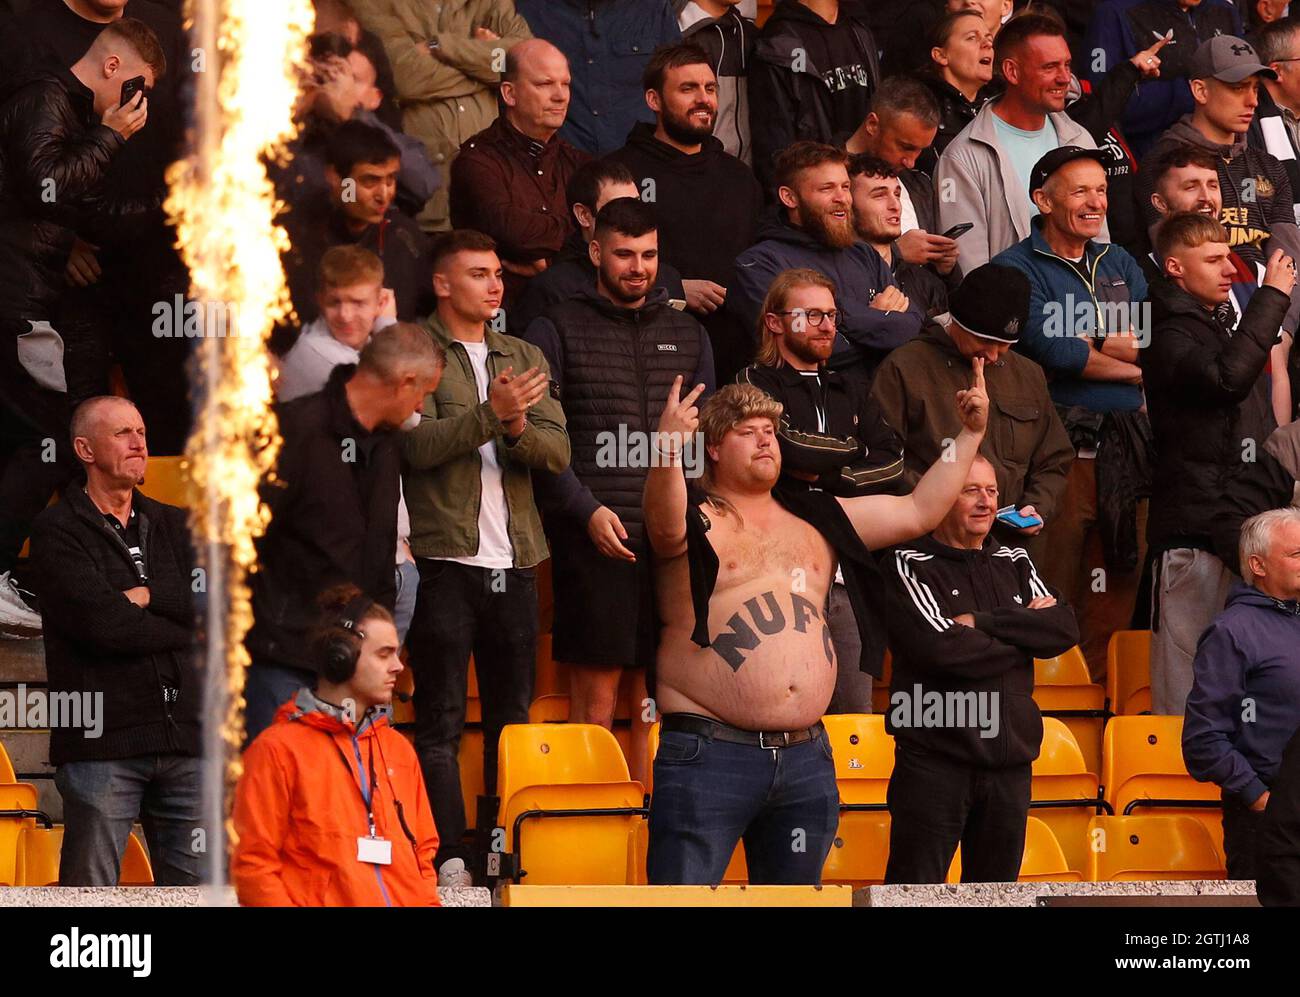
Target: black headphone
(342, 648)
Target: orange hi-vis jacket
(300, 808)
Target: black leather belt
(691, 723)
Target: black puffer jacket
(955, 113)
(611, 368)
(1210, 407)
(54, 156)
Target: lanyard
(367, 791)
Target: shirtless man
(746, 666)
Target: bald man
(113, 571)
(509, 179)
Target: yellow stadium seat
(470, 760)
(1143, 770)
(1064, 689)
(737, 871)
(6, 767)
(38, 859)
(1042, 861)
(567, 805)
(864, 760)
(1064, 794)
(1128, 672)
(17, 810)
(1124, 849)
(551, 709)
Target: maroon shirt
(511, 187)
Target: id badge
(376, 851)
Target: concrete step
(29, 751)
(22, 661)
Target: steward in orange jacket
(301, 814)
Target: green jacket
(442, 477)
(449, 98)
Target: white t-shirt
(494, 547)
(909, 220)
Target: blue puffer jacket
(1062, 306)
(1245, 701)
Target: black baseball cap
(1057, 158)
(992, 302)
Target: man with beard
(746, 663)
(612, 352)
(878, 220)
(812, 229)
(685, 176)
(832, 436)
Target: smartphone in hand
(1011, 516)
(959, 230)
(130, 88)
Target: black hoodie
(810, 80)
(927, 584)
(707, 204)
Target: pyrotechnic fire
(224, 206)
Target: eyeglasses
(812, 316)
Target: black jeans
(1241, 837)
(936, 802)
(710, 794)
(463, 610)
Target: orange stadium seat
(1064, 794)
(1128, 672)
(1124, 849)
(6, 767)
(38, 859)
(864, 759)
(17, 814)
(568, 808)
(1143, 770)
(167, 479)
(1064, 689)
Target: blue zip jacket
(1122, 28)
(1062, 306)
(1245, 701)
(608, 44)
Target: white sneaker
(17, 619)
(452, 874)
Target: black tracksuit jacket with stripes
(927, 584)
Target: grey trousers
(1189, 593)
(852, 685)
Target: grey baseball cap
(1228, 59)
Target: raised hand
(680, 418)
(129, 119)
(973, 402)
(1148, 60)
(1280, 272)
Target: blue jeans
(710, 794)
(408, 584)
(266, 689)
(102, 799)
